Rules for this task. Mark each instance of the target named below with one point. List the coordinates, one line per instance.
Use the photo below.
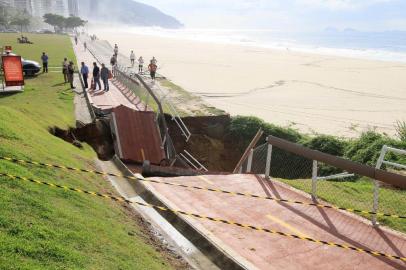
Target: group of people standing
(140, 62)
(152, 67)
(68, 68)
(103, 74)
(68, 71)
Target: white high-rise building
(40, 7)
(24, 5)
(73, 7)
(5, 2)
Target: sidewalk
(100, 99)
(260, 250)
(82, 113)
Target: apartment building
(40, 7)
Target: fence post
(249, 165)
(375, 205)
(268, 162)
(314, 179)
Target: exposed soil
(96, 134)
(210, 142)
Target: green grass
(44, 228)
(358, 194)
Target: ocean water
(385, 46)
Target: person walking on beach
(152, 70)
(71, 72)
(154, 61)
(84, 70)
(96, 76)
(140, 64)
(104, 74)
(132, 58)
(65, 65)
(115, 50)
(44, 59)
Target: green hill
(44, 228)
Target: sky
(287, 15)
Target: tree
(57, 21)
(72, 22)
(22, 22)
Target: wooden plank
(247, 151)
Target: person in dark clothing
(65, 65)
(71, 72)
(113, 62)
(44, 59)
(76, 40)
(104, 74)
(85, 74)
(96, 76)
(115, 50)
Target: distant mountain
(127, 12)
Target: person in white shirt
(132, 58)
(154, 61)
(140, 64)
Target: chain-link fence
(327, 183)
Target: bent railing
(150, 100)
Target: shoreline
(309, 92)
(287, 43)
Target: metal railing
(192, 162)
(172, 111)
(104, 53)
(332, 179)
(153, 98)
(140, 89)
(381, 161)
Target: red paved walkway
(266, 251)
(117, 94)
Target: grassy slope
(43, 228)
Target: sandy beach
(312, 93)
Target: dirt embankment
(210, 142)
(96, 134)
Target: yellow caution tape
(203, 188)
(246, 226)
